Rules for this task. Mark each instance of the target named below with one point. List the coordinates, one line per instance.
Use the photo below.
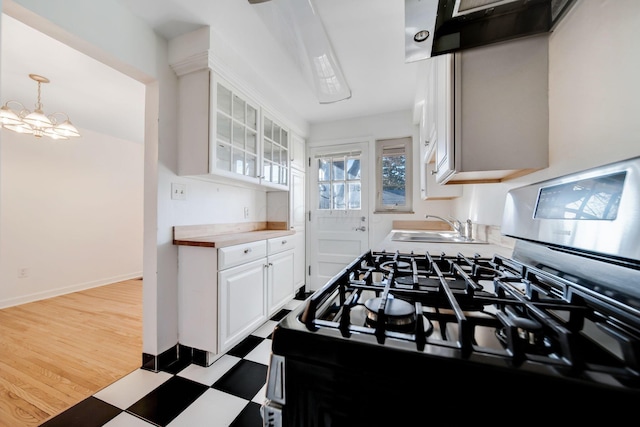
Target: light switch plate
(178, 191)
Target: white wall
(594, 99)
(71, 214)
(392, 125)
(139, 53)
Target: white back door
(338, 203)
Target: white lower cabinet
(242, 302)
(225, 294)
(279, 280)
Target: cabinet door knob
(433, 172)
(284, 242)
(246, 251)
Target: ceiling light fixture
(298, 21)
(37, 123)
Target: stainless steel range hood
(435, 27)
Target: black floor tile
(249, 417)
(168, 400)
(280, 315)
(91, 412)
(244, 379)
(245, 346)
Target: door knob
(361, 228)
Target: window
(339, 182)
(393, 175)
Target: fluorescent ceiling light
(308, 42)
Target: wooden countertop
(222, 235)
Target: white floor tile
(131, 388)
(266, 329)
(213, 409)
(260, 354)
(260, 396)
(210, 374)
(293, 304)
(127, 420)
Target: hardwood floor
(56, 352)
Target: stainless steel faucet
(464, 232)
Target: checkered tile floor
(227, 393)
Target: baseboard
(10, 302)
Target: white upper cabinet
(234, 133)
(275, 152)
(227, 136)
(297, 152)
(492, 112)
(224, 133)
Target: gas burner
(388, 265)
(397, 313)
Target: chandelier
(21, 120)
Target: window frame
(406, 144)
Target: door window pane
(353, 168)
(324, 199)
(324, 169)
(338, 195)
(339, 189)
(354, 196)
(338, 169)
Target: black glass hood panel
(494, 22)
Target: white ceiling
(93, 95)
(367, 37)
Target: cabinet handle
(246, 251)
(433, 172)
(284, 242)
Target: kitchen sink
(431, 237)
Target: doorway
(338, 210)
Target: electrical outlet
(23, 273)
(246, 213)
(178, 191)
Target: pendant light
(21, 120)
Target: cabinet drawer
(239, 254)
(279, 244)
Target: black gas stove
(552, 333)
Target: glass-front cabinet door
(235, 134)
(275, 153)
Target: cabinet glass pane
(251, 146)
(276, 154)
(338, 169)
(268, 150)
(223, 157)
(239, 109)
(224, 99)
(276, 133)
(250, 165)
(223, 128)
(268, 128)
(238, 162)
(284, 175)
(252, 117)
(353, 168)
(266, 171)
(285, 139)
(324, 169)
(238, 135)
(275, 173)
